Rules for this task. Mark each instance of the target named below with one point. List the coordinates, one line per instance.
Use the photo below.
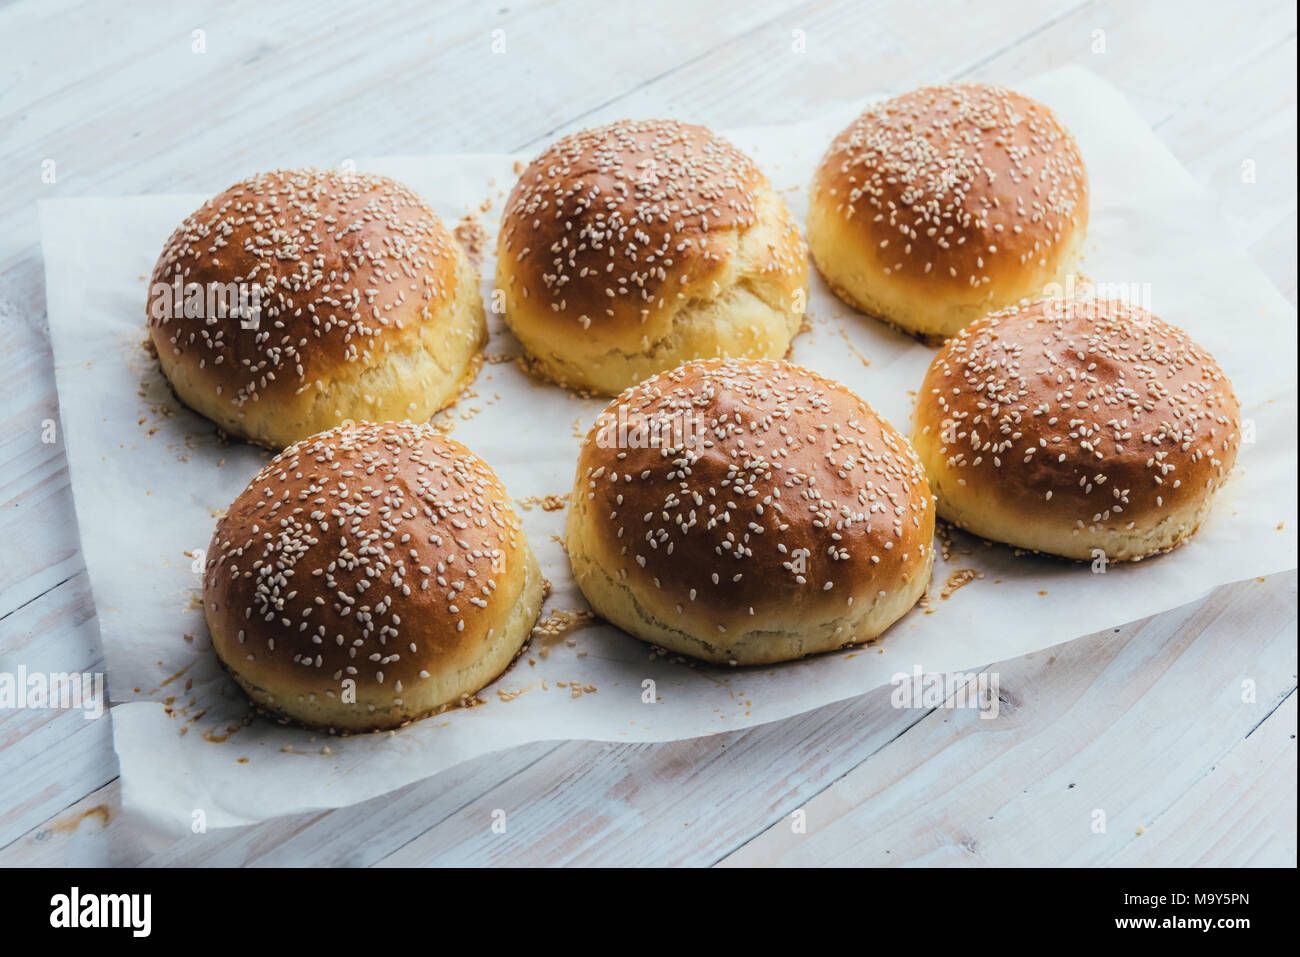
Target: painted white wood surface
(1146, 721)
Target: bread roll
(628, 249)
(369, 576)
(1078, 427)
(936, 207)
(747, 512)
(299, 299)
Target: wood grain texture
(1113, 724)
(1238, 814)
(1141, 721)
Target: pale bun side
(628, 249)
(366, 306)
(778, 516)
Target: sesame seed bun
(949, 202)
(1069, 426)
(366, 307)
(386, 555)
(628, 249)
(747, 512)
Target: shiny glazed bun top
(959, 180)
(344, 270)
(749, 498)
(937, 206)
(385, 553)
(617, 240)
(612, 224)
(1068, 424)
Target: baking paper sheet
(149, 478)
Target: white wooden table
(129, 98)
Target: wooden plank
(87, 834)
(680, 803)
(35, 504)
(362, 835)
(1115, 724)
(849, 51)
(1237, 815)
(92, 831)
(50, 758)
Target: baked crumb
(471, 235)
(959, 579)
(548, 503)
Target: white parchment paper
(149, 478)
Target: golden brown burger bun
(748, 511)
(369, 576)
(628, 249)
(356, 304)
(949, 202)
(1077, 427)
